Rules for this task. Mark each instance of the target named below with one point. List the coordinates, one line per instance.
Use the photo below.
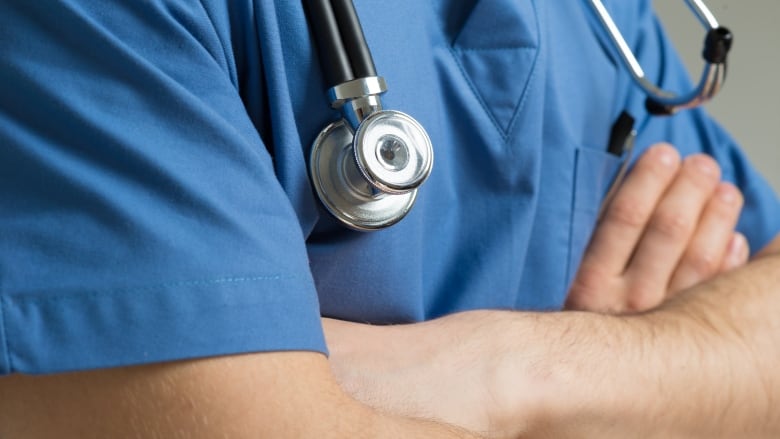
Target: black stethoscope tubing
(339, 40)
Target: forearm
(667, 373)
(274, 395)
(701, 366)
(738, 335)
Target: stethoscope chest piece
(393, 152)
(349, 190)
(366, 167)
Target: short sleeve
(692, 131)
(140, 216)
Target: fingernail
(705, 165)
(737, 250)
(727, 193)
(667, 156)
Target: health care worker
(156, 203)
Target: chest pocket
(496, 50)
(594, 171)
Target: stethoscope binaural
(716, 48)
(367, 167)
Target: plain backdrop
(749, 104)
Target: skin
(671, 226)
(496, 373)
(284, 394)
(679, 213)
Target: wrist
(567, 374)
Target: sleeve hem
(47, 332)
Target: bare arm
(673, 210)
(275, 395)
(702, 365)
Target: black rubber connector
(717, 45)
(656, 108)
(334, 59)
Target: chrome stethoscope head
(716, 47)
(365, 168)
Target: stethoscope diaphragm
(393, 152)
(344, 190)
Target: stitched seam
(476, 93)
(225, 280)
(473, 49)
(504, 133)
(524, 97)
(534, 71)
(4, 334)
(569, 276)
(463, 26)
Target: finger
(709, 246)
(669, 231)
(624, 220)
(737, 254)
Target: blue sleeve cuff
(76, 330)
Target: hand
(669, 227)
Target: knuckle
(627, 213)
(702, 263)
(589, 289)
(643, 299)
(702, 171)
(673, 224)
(722, 211)
(588, 280)
(728, 200)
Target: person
(166, 267)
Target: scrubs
(154, 198)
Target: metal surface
(344, 192)
(393, 152)
(712, 78)
(358, 98)
(372, 85)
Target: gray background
(749, 104)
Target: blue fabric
(154, 198)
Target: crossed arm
(700, 365)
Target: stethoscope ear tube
(341, 45)
(663, 102)
(331, 51)
(353, 38)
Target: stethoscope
(367, 167)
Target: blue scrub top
(154, 198)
